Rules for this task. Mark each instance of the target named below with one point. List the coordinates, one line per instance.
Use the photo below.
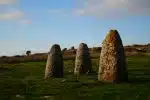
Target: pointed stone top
(113, 30)
(82, 43)
(113, 36)
(55, 49)
(83, 46)
(82, 49)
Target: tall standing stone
(112, 65)
(82, 61)
(54, 66)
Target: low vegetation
(25, 81)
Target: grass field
(24, 81)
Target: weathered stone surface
(112, 65)
(54, 66)
(82, 61)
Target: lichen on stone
(112, 65)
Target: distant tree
(3, 56)
(28, 53)
(17, 56)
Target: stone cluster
(112, 64)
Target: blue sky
(38, 24)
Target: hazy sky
(37, 24)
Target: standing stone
(112, 65)
(54, 66)
(82, 61)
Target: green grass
(26, 79)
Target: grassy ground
(24, 81)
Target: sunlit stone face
(112, 65)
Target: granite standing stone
(112, 65)
(54, 66)
(82, 62)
